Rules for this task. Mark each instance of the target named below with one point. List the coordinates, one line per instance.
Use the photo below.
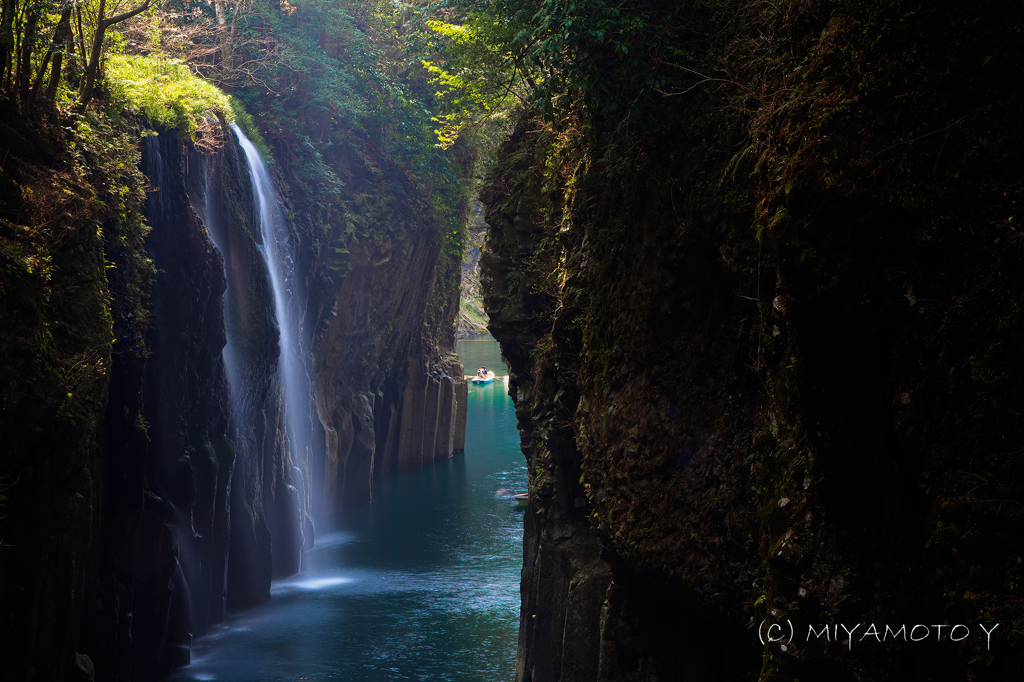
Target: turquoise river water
(423, 584)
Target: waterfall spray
(277, 247)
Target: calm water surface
(421, 585)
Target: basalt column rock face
(775, 392)
(168, 458)
(150, 481)
(387, 397)
(564, 577)
(199, 507)
(55, 359)
(267, 513)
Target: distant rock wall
(387, 397)
(472, 320)
(382, 301)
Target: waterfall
(276, 246)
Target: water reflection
(421, 585)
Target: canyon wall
(150, 483)
(760, 351)
(387, 392)
(198, 487)
(56, 324)
(382, 282)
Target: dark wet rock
(140, 502)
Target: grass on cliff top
(169, 95)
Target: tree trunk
(6, 39)
(34, 93)
(56, 51)
(81, 33)
(225, 36)
(63, 43)
(28, 41)
(92, 69)
(85, 93)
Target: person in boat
(482, 372)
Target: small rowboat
(486, 379)
(521, 499)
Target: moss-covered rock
(771, 332)
(74, 278)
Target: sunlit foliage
(477, 76)
(167, 93)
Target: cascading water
(423, 584)
(277, 248)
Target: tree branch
(117, 18)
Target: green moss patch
(169, 95)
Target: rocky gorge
(755, 269)
(179, 483)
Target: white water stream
(276, 246)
